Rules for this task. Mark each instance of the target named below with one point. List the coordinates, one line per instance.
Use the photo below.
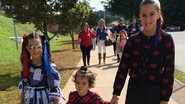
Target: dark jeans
(118, 58)
(86, 54)
(114, 47)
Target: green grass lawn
(10, 58)
(179, 75)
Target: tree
(39, 12)
(125, 8)
(173, 12)
(72, 19)
(93, 19)
(95, 16)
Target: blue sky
(96, 4)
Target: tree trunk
(45, 31)
(72, 39)
(47, 37)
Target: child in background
(84, 79)
(40, 80)
(121, 41)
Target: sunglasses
(39, 46)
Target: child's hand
(114, 99)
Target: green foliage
(73, 18)
(179, 75)
(68, 14)
(93, 18)
(125, 8)
(173, 10)
(39, 12)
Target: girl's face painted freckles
(148, 16)
(35, 48)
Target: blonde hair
(102, 21)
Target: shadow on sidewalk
(110, 67)
(107, 66)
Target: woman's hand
(163, 102)
(114, 99)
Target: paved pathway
(105, 77)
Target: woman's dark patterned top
(147, 65)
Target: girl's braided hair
(25, 55)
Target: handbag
(108, 42)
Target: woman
(85, 39)
(149, 57)
(101, 34)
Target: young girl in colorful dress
(40, 79)
(148, 57)
(121, 41)
(84, 79)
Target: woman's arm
(168, 73)
(123, 68)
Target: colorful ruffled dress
(39, 88)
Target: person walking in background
(133, 27)
(40, 79)
(120, 44)
(94, 39)
(84, 79)
(101, 34)
(149, 57)
(113, 37)
(85, 39)
(121, 26)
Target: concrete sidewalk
(105, 77)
